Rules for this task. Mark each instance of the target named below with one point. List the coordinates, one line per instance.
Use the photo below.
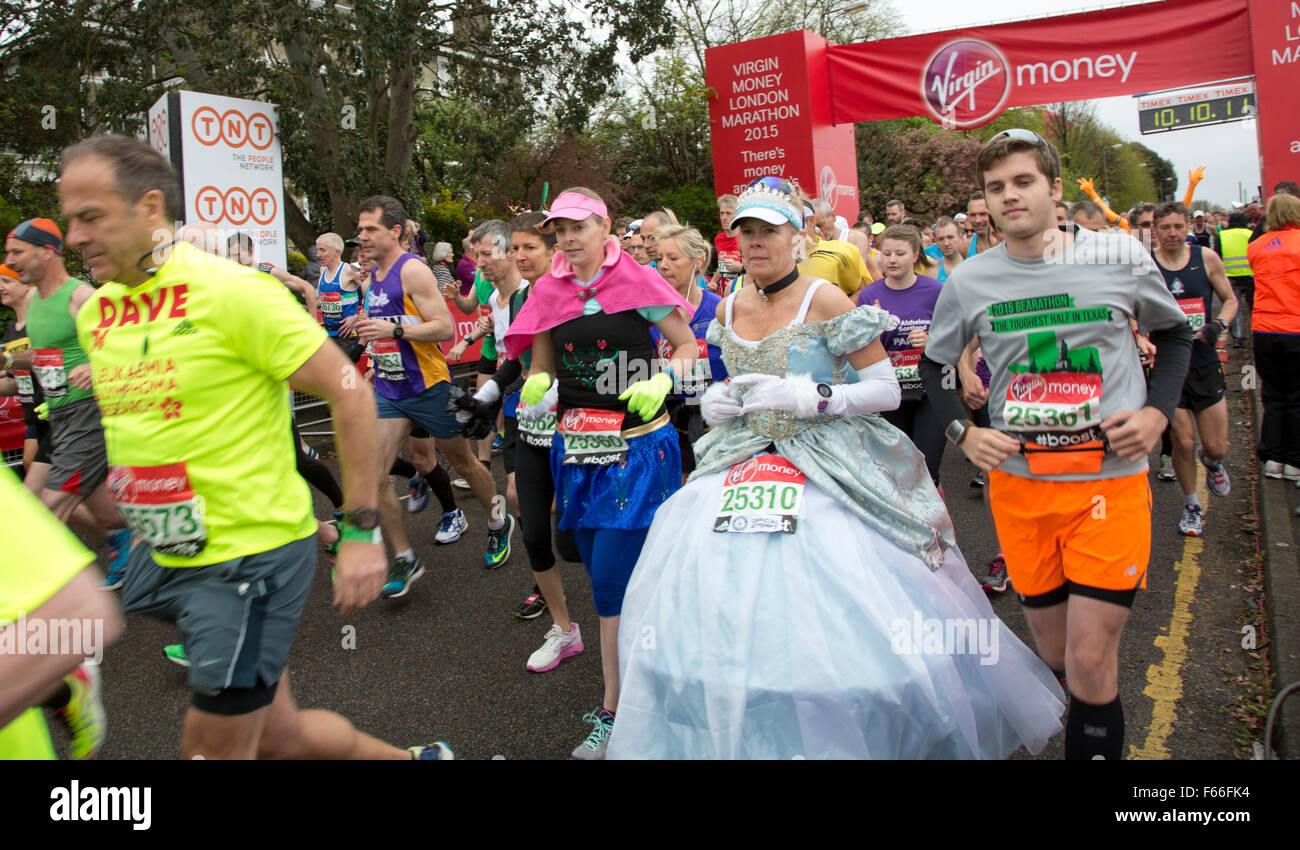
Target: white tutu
(828, 643)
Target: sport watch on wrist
(398, 332)
(1223, 326)
(361, 525)
(823, 390)
(957, 430)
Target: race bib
(387, 359)
(905, 365)
(160, 506)
(537, 432)
(26, 390)
(762, 494)
(47, 364)
(331, 306)
(1194, 310)
(695, 381)
(1053, 401)
(593, 437)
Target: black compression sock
(1094, 731)
(487, 464)
(59, 700)
(440, 484)
(403, 468)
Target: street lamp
(1105, 173)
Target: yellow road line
(1165, 680)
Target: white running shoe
(1272, 469)
(452, 526)
(1291, 473)
(461, 484)
(1216, 479)
(558, 647)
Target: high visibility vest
(1234, 242)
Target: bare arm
(543, 354)
(26, 679)
(829, 302)
(1222, 288)
(679, 336)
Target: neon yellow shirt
(40, 557)
(189, 369)
(839, 262)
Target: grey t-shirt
(1055, 335)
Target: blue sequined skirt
(624, 495)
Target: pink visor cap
(575, 207)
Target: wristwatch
(823, 390)
(360, 525)
(957, 430)
(1223, 326)
(398, 332)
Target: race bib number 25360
(762, 494)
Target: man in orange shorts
(1072, 418)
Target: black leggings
(317, 474)
(535, 490)
(918, 419)
(438, 479)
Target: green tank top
(56, 351)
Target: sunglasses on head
(1022, 134)
(773, 184)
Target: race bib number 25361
(762, 494)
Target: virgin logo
(743, 472)
(828, 184)
(965, 83)
(1028, 388)
(573, 420)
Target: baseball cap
(959, 217)
(769, 199)
(877, 228)
(1199, 214)
(575, 207)
(8, 272)
(41, 232)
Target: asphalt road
(447, 661)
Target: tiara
(774, 193)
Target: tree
(930, 168)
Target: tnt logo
(1028, 388)
(965, 83)
(233, 128)
(235, 205)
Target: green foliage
(297, 263)
(447, 218)
(932, 170)
(694, 205)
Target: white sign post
(227, 152)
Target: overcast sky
(1230, 152)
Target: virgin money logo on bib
(743, 472)
(965, 83)
(574, 419)
(1027, 388)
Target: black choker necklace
(773, 288)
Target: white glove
(768, 392)
(720, 403)
(533, 412)
(488, 393)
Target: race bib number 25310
(762, 494)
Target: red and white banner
(965, 78)
(1275, 31)
(12, 427)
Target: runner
(982, 233)
(895, 212)
(78, 465)
(830, 259)
(614, 457)
(1053, 324)
(48, 577)
(729, 266)
(651, 222)
(242, 251)
(947, 245)
(487, 361)
(826, 226)
(909, 300)
(1089, 216)
(16, 379)
(1193, 275)
(340, 292)
(406, 321)
(1233, 242)
(786, 645)
(202, 458)
(1275, 323)
(682, 255)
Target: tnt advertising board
(227, 153)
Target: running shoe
(559, 645)
(434, 752)
(419, 498)
(401, 575)
(978, 480)
(593, 749)
(498, 444)
(84, 713)
(116, 550)
(453, 525)
(1272, 469)
(1166, 472)
(175, 652)
(1216, 477)
(460, 484)
(531, 607)
(498, 548)
(996, 580)
(1291, 473)
(1193, 523)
